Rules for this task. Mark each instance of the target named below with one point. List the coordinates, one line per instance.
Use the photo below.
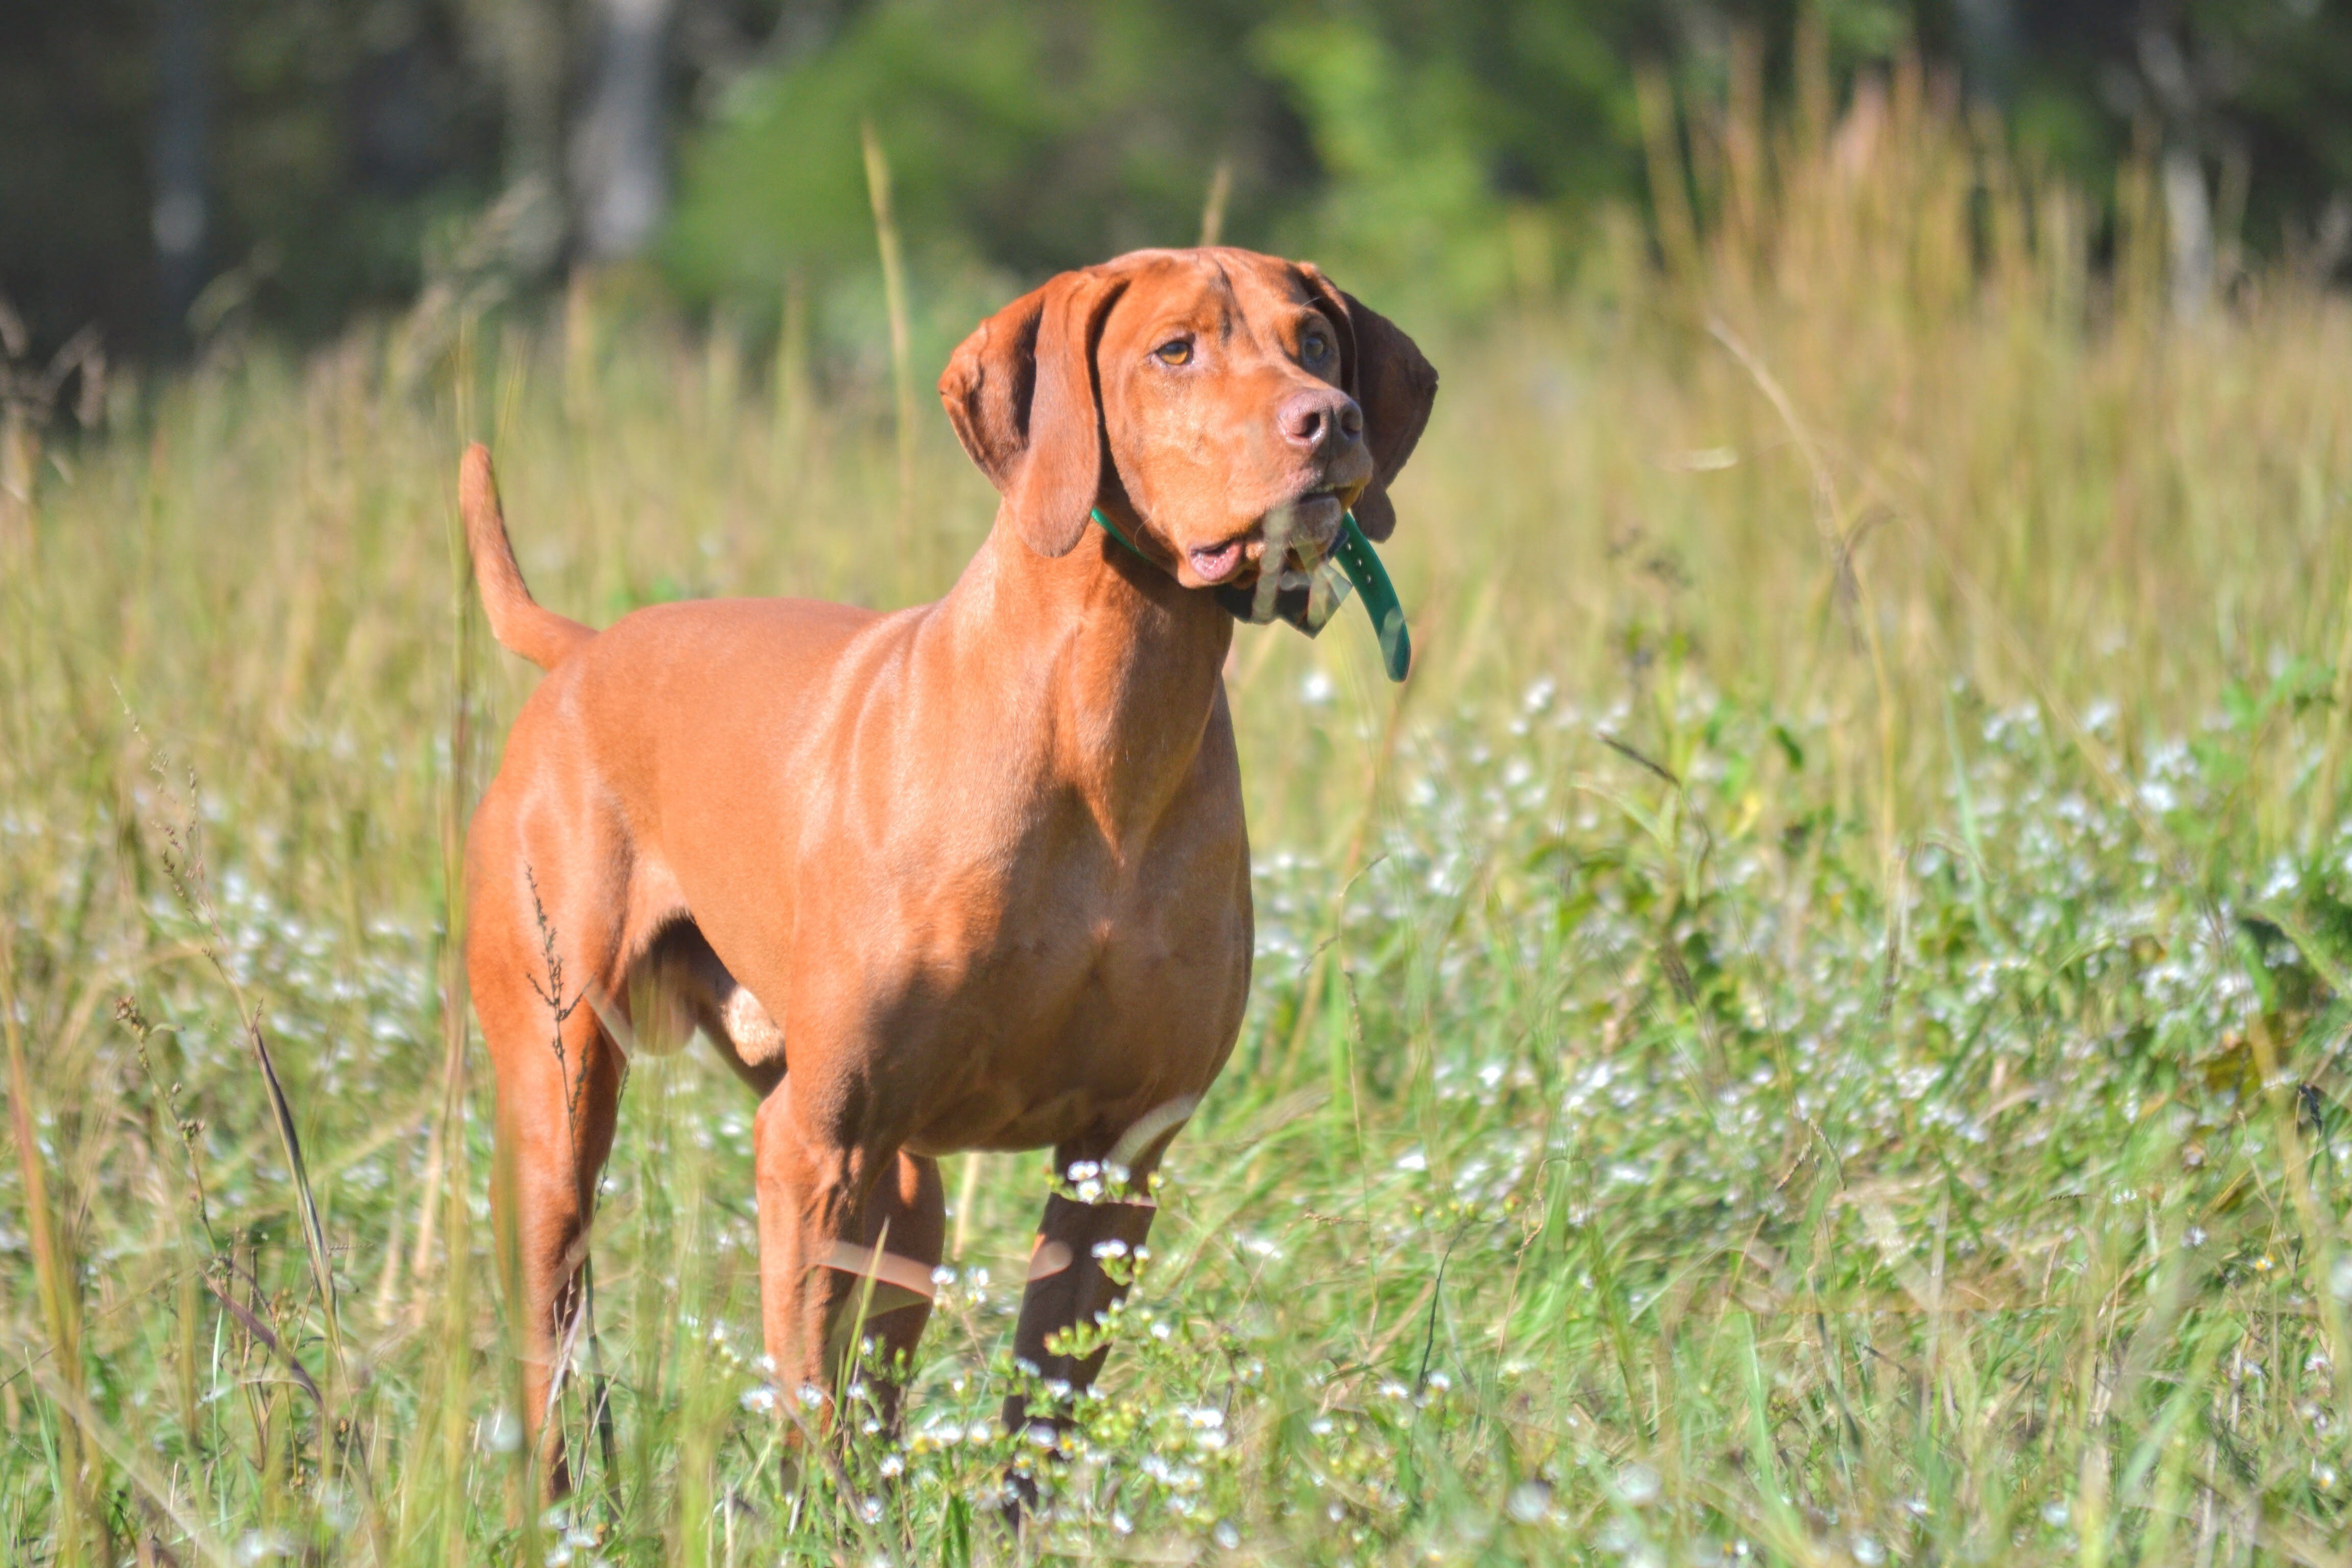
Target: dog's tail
(517, 619)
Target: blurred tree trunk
(620, 174)
(180, 213)
(2181, 85)
(2188, 231)
(1988, 30)
(526, 46)
(802, 27)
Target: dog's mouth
(1306, 527)
(1216, 562)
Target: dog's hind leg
(533, 966)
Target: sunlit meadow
(1811, 1030)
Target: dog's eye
(1315, 346)
(1175, 351)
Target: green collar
(1112, 529)
(1359, 562)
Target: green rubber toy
(1359, 562)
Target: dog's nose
(1318, 419)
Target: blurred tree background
(173, 169)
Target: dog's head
(1210, 399)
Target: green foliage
(1455, 154)
(341, 141)
(1436, 151)
(1033, 137)
(1408, 200)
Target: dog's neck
(1113, 668)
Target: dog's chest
(1089, 934)
(1065, 990)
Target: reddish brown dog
(968, 876)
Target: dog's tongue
(1216, 566)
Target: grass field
(1811, 1031)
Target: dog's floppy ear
(1383, 370)
(1022, 394)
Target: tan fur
(968, 876)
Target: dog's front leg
(1078, 1270)
(849, 1233)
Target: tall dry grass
(1810, 1029)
